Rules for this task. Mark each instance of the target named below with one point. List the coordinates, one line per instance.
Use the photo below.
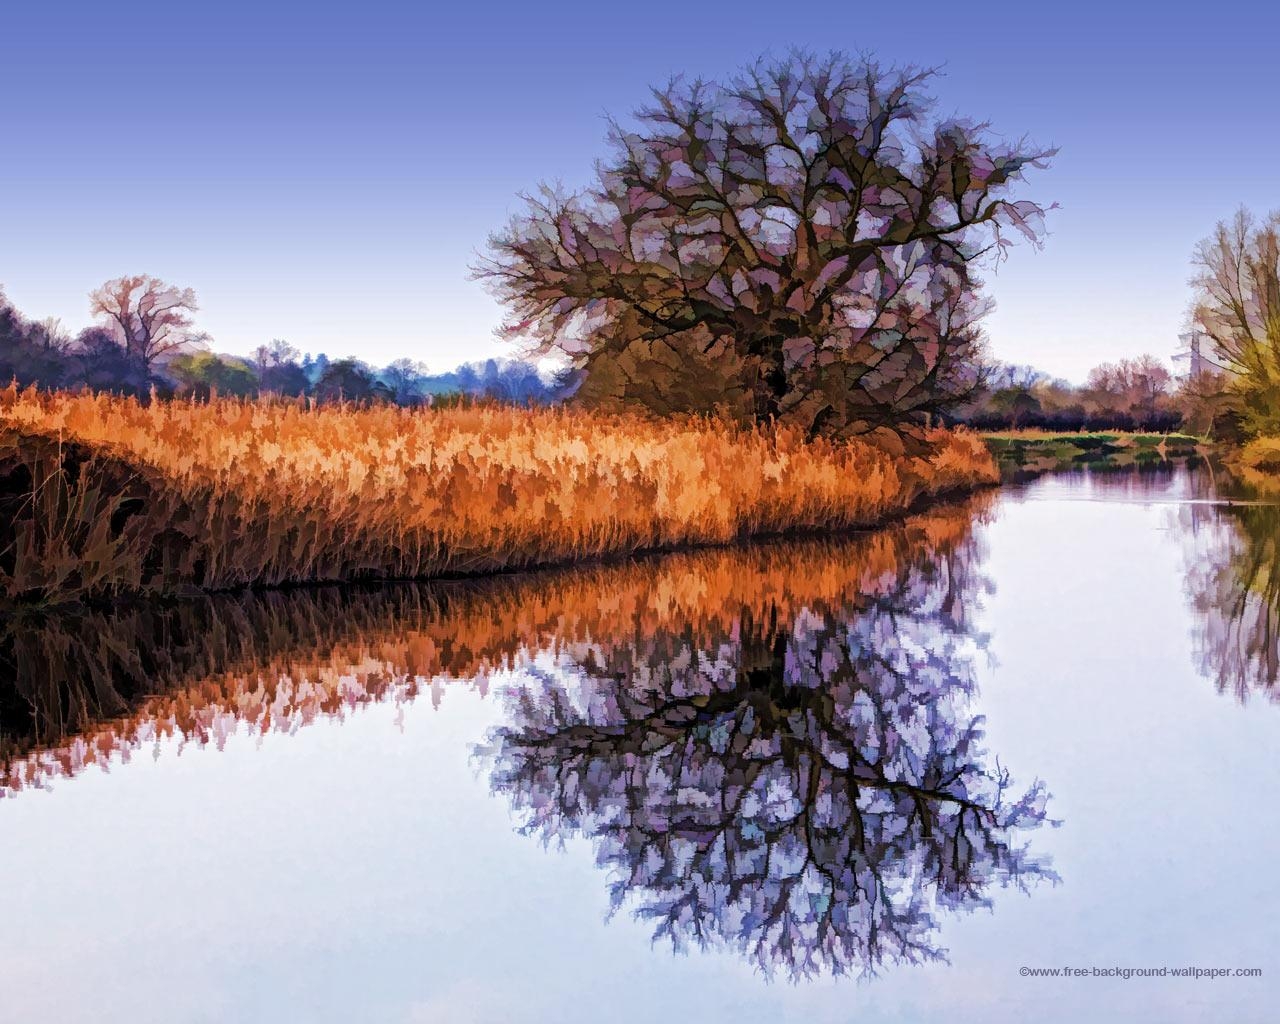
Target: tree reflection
(1233, 582)
(771, 745)
(806, 788)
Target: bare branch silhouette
(808, 790)
(797, 243)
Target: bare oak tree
(150, 319)
(797, 244)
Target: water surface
(856, 780)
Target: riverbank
(105, 496)
(1022, 454)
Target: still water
(859, 780)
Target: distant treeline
(147, 342)
(1133, 394)
(43, 354)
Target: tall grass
(105, 495)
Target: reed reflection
(803, 781)
(95, 686)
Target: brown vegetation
(97, 686)
(102, 495)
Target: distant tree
(149, 319)
(203, 373)
(1138, 388)
(797, 244)
(1149, 382)
(518, 381)
(352, 381)
(284, 379)
(50, 336)
(278, 369)
(1131, 393)
(43, 353)
(407, 380)
(12, 323)
(1012, 375)
(277, 353)
(106, 366)
(1237, 306)
(1208, 407)
(314, 367)
(467, 379)
(31, 353)
(1018, 404)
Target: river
(884, 778)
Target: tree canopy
(151, 320)
(1237, 306)
(797, 243)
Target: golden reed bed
(125, 497)
(100, 686)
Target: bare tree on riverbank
(798, 243)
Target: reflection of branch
(807, 792)
(1233, 579)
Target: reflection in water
(1233, 582)
(1230, 532)
(770, 745)
(1023, 459)
(801, 782)
(1159, 482)
(96, 686)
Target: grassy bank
(1031, 452)
(103, 496)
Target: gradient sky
(325, 173)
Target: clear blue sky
(325, 173)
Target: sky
(326, 173)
